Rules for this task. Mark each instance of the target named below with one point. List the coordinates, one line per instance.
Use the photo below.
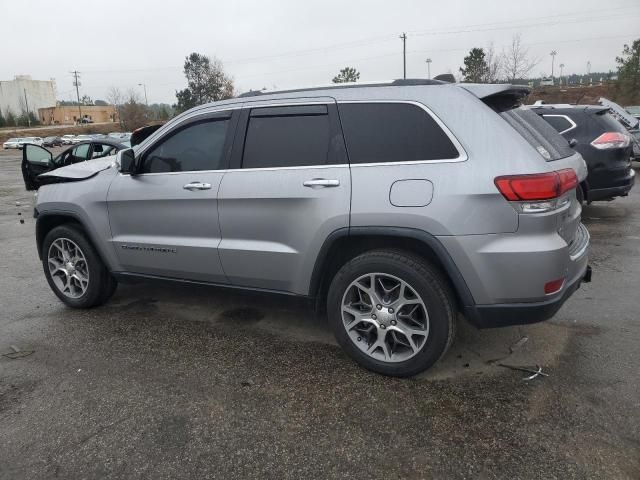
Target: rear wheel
(74, 269)
(392, 312)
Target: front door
(35, 160)
(287, 191)
(164, 220)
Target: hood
(628, 120)
(82, 170)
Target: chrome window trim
(462, 153)
(566, 117)
(192, 172)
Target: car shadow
(474, 352)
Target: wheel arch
(346, 243)
(47, 221)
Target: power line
(387, 38)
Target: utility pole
(144, 85)
(76, 83)
(553, 60)
(428, 68)
(561, 67)
(26, 104)
(403, 37)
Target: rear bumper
(504, 315)
(622, 188)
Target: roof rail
(392, 83)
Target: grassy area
(58, 130)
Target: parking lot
(192, 382)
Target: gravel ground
(192, 382)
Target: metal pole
(26, 104)
(144, 86)
(77, 85)
(429, 68)
(403, 37)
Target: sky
(295, 43)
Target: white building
(23, 93)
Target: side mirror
(573, 142)
(128, 163)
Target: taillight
(611, 140)
(553, 286)
(536, 187)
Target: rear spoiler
(500, 97)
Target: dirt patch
(58, 131)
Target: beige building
(68, 115)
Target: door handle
(197, 186)
(321, 183)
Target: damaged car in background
(37, 160)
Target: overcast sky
(291, 43)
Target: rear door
(288, 190)
(164, 220)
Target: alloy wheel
(385, 317)
(68, 268)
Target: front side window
(392, 132)
(287, 137)
(198, 146)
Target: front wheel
(392, 312)
(74, 269)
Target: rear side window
(559, 122)
(392, 132)
(287, 137)
(540, 135)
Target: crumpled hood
(82, 170)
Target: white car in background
(66, 139)
(12, 143)
(81, 138)
(31, 140)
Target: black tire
(428, 282)
(581, 196)
(101, 285)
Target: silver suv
(396, 205)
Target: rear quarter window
(538, 133)
(393, 132)
(561, 123)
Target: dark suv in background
(602, 141)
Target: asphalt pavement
(195, 382)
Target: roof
(335, 86)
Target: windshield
(540, 135)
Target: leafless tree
(494, 65)
(516, 61)
(133, 113)
(116, 98)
